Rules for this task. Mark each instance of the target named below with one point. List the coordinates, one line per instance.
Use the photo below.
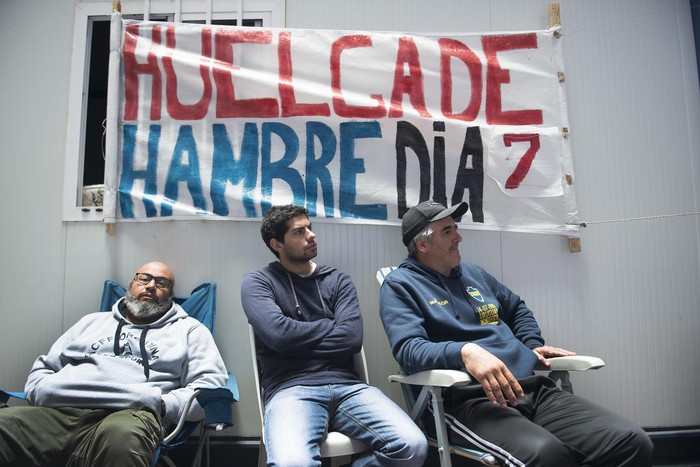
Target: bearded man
(109, 385)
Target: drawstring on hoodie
(294, 292)
(296, 301)
(144, 353)
(320, 297)
(142, 346)
(117, 350)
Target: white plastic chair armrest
(441, 378)
(572, 363)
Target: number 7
(521, 170)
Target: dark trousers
(42, 436)
(548, 427)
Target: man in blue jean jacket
(441, 313)
(308, 327)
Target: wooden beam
(554, 22)
(554, 18)
(574, 245)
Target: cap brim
(456, 212)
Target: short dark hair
(274, 225)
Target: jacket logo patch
(435, 301)
(488, 314)
(475, 293)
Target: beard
(300, 256)
(147, 310)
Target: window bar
(178, 11)
(111, 136)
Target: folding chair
(216, 402)
(433, 382)
(338, 447)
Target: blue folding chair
(216, 402)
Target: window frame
(272, 13)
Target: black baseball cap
(422, 214)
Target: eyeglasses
(145, 279)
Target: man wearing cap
(441, 313)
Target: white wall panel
(630, 296)
(32, 126)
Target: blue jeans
(297, 420)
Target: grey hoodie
(105, 362)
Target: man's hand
(498, 382)
(544, 352)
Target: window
(84, 172)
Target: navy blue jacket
(429, 317)
(308, 328)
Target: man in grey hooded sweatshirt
(108, 385)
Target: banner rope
(629, 219)
(565, 33)
(616, 22)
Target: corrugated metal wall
(631, 296)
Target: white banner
(219, 122)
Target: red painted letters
(218, 73)
(495, 76)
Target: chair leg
(206, 444)
(203, 439)
(420, 404)
(262, 455)
(338, 461)
(440, 426)
(165, 460)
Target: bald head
(157, 269)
